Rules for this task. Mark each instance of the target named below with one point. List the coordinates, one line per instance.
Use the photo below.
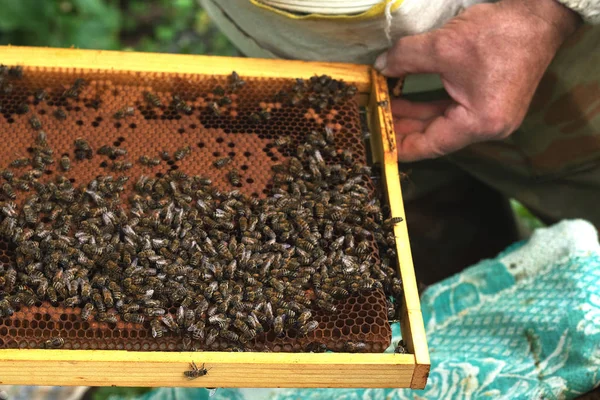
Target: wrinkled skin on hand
(491, 58)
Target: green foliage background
(169, 26)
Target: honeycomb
(232, 131)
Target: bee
(214, 108)
(165, 155)
(30, 214)
(16, 72)
(82, 149)
(124, 112)
(315, 347)
(218, 320)
(35, 123)
(154, 312)
(65, 163)
(235, 82)
(211, 337)
(121, 166)
(170, 323)
(221, 162)
(109, 318)
(72, 92)
(52, 295)
(234, 177)
(304, 317)
(219, 91)
(396, 220)
(98, 302)
(354, 347)
(229, 335)
(156, 328)
(133, 318)
(195, 372)
(278, 325)
(325, 305)
(86, 311)
(181, 105)
(255, 118)
(40, 95)
(308, 327)
(182, 152)
(20, 162)
(7, 175)
(224, 101)
(54, 343)
(8, 190)
(6, 308)
(22, 108)
(107, 298)
(60, 114)
(72, 301)
(152, 99)
(401, 348)
(265, 115)
(282, 141)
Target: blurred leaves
(79, 23)
(526, 221)
(121, 393)
(171, 26)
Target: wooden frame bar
(123, 368)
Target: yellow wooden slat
(105, 367)
(183, 64)
(413, 329)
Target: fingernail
(381, 62)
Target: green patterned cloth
(525, 325)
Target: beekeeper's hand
(491, 58)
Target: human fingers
(409, 55)
(402, 108)
(445, 134)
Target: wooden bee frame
(334, 370)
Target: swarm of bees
(319, 92)
(233, 266)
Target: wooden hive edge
(183, 64)
(97, 367)
(413, 329)
(122, 368)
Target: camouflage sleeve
(588, 9)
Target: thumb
(410, 55)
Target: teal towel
(525, 325)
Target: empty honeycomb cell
(355, 329)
